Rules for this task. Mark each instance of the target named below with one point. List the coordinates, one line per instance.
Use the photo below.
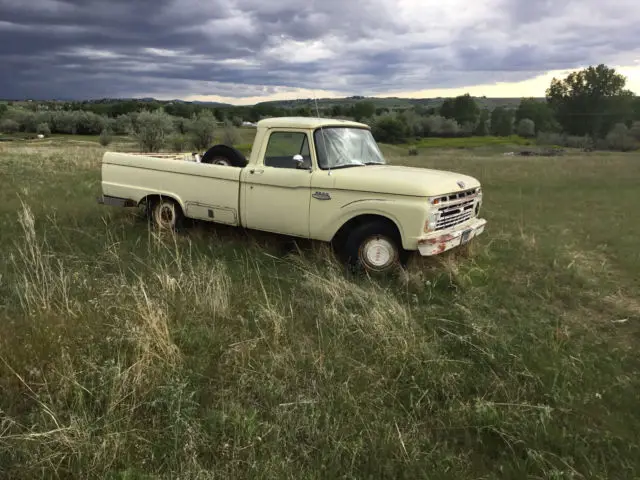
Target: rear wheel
(165, 214)
(374, 247)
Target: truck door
(277, 194)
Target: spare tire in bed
(224, 155)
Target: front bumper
(440, 242)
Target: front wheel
(374, 247)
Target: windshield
(340, 147)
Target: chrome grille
(455, 214)
(457, 196)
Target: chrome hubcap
(378, 253)
(166, 215)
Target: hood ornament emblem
(461, 184)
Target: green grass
(471, 142)
(218, 353)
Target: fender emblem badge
(321, 196)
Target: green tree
(364, 109)
(43, 129)
(202, 129)
(432, 125)
(447, 109)
(591, 101)
(8, 125)
(527, 128)
(123, 124)
(3, 109)
(230, 136)
(178, 142)
(65, 122)
(501, 122)
(389, 129)
(450, 128)
(482, 128)
(539, 112)
(463, 109)
(151, 130)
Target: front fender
(409, 216)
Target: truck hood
(399, 180)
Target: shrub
(90, 123)
(634, 131)
(230, 137)
(178, 142)
(563, 140)
(65, 122)
(236, 121)
(9, 126)
(413, 151)
(388, 129)
(415, 126)
(123, 125)
(432, 125)
(550, 138)
(450, 128)
(180, 125)
(575, 141)
(27, 120)
(202, 129)
(526, 128)
(152, 129)
(105, 137)
(43, 129)
(620, 139)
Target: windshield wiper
(348, 166)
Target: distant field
(471, 142)
(226, 354)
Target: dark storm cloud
(239, 48)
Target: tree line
(590, 108)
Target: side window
(283, 146)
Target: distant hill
(390, 102)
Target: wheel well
(341, 235)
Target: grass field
(472, 142)
(226, 354)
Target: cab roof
(307, 122)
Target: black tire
(224, 155)
(165, 214)
(374, 247)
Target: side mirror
(299, 161)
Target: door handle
(256, 172)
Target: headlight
(432, 221)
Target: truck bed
(204, 191)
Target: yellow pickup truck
(313, 178)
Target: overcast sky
(242, 51)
